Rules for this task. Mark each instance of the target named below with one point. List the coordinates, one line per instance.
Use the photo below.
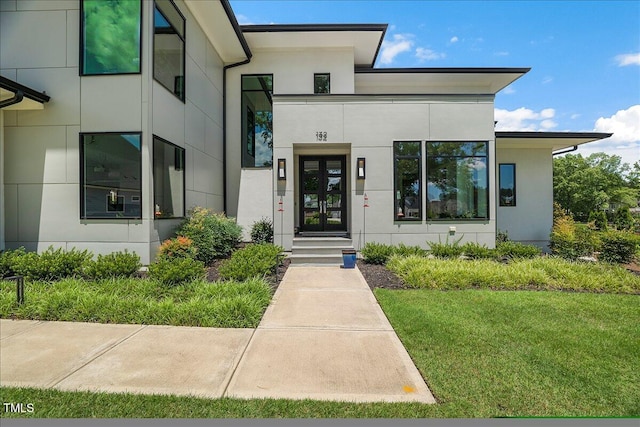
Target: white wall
(531, 220)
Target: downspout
(224, 129)
(574, 148)
(17, 98)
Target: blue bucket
(349, 258)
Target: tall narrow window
(257, 121)
(457, 180)
(168, 47)
(110, 37)
(507, 184)
(407, 181)
(322, 83)
(110, 175)
(168, 179)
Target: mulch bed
(272, 279)
(378, 276)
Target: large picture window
(407, 180)
(507, 184)
(110, 37)
(169, 47)
(257, 121)
(457, 180)
(168, 179)
(110, 175)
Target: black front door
(323, 201)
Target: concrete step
(322, 241)
(319, 250)
(316, 259)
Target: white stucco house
(110, 133)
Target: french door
(323, 201)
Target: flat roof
(554, 140)
(365, 39)
(32, 99)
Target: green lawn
(483, 354)
(140, 301)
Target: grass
(138, 301)
(542, 273)
(483, 354)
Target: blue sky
(584, 55)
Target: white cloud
(454, 39)
(575, 116)
(392, 48)
(547, 80)
(424, 54)
(628, 59)
(243, 20)
(508, 90)
(625, 125)
(525, 119)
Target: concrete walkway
(323, 337)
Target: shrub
(51, 264)
(599, 219)
(178, 247)
(254, 260)
(116, 264)
(618, 247)
(376, 253)
(213, 234)
(517, 250)
(177, 271)
(571, 241)
(477, 251)
(446, 250)
(262, 231)
(405, 250)
(623, 219)
(502, 236)
(7, 261)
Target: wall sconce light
(360, 168)
(282, 169)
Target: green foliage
(262, 231)
(570, 240)
(116, 264)
(502, 236)
(599, 219)
(517, 250)
(177, 271)
(112, 36)
(7, 261)
(51, 264)
(623, 219)
(254, 260)
(178, 247)
(477, 251)
(619, 247)
(376, 253)
(544, 273)
(446, 250)
(213, 234)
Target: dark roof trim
(236, 27)
(288, 28)
(466, 70)
(552, 135)
(16, 87)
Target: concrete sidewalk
(323, 337)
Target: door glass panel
(334, 200)
(311, 201)
(311, 166)
(334, 217)
(334, 167)
(311, 217)
(333, 183)
(311, 182)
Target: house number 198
(321, 136)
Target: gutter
(16, 99)
(224, 127)
(569, 150)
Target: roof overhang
(552, 140)
(14, 96)
(364, 39)
(468, 81)
(221, 28)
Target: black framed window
(457, 180)
(110, 37)
(169, 47)
(110, 175)
(257, 120)
(407, 159)
(168, 179)
(507, 180)
(322, 83)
